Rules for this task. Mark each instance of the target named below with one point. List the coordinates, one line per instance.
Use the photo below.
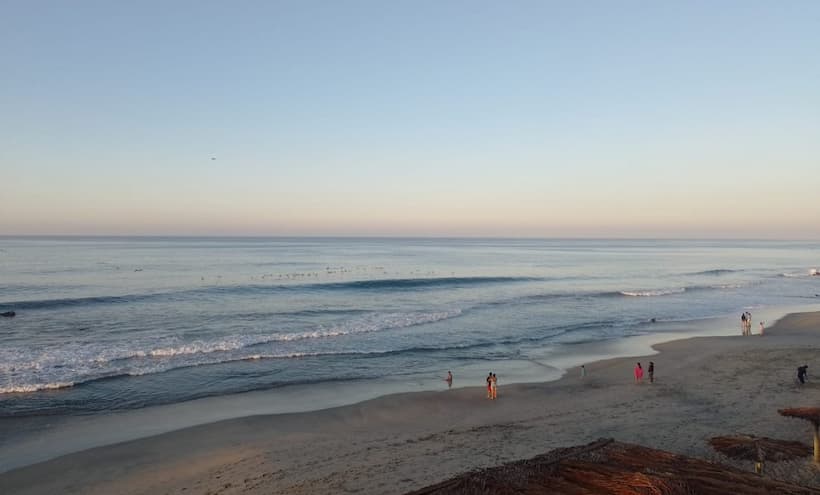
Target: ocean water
(108, 324)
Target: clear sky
(431, 117)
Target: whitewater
(122, 323)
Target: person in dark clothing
(651, 371)
(802, 371)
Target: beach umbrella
(811, 414)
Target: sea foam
(653, 293)
(31, 370)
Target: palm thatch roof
(609, 467)
(752, 448)
(808, 413)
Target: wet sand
(705, 386)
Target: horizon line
(419, 237)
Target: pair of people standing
(492, 386)
(746, 323)
(639, 372)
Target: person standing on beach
(494, 386)
(583, 371)
(651, 371)
(490, 386)
(802, 371)
(761, 328)
(449, 379)
(743, 324)
(638, 373)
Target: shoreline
(36, 439)
(399, 442)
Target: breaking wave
(717, 271)
(34, 387)
(653, 293)
(31, 370)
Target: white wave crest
(372, 323)
(34, 387)
(653, 293)
(728, 286)
(37, 369)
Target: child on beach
(651, 371)
(761, 328)
(449, 379)
(494, 386)
(490, 386)
(638, 373)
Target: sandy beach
(705, 386)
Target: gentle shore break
(704, 387)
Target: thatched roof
(754, 448)
(609, 467)
(808, 413)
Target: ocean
(109, 324)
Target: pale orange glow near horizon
(591, 214)
(558, 123)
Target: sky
(425, 118)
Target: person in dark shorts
(802, 371)
(651, 371)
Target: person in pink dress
(638, 373)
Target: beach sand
(705, 386)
